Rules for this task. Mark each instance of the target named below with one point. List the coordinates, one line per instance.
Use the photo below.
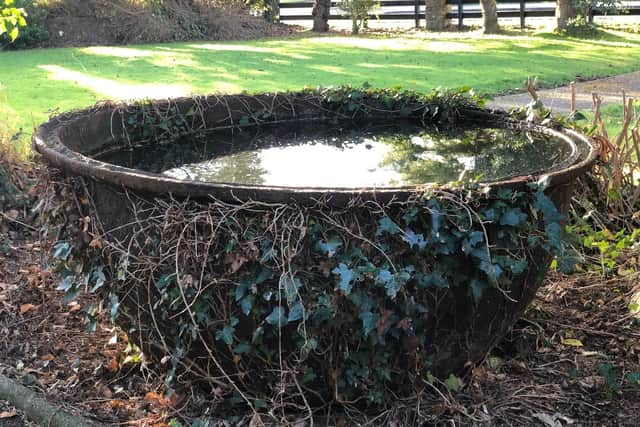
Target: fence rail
(415, 10)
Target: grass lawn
(35, 83)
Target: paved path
(559, 99)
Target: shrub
(359, 11)
(34, 32)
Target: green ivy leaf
(243, 348)
(296, 312)
(493, 271)
(477, 289)
(66, 283)
(549, 210)
(226, 334)
(472, 240)
(246, 304)
(114, 301)
(71, 294)
(329, 247)
(518, 266)
(290, 287)
(369, 321)
(98, 277)
(633, 378)
(346, 277)
(386, 225)
(453, 383)
(277, 317)
(414, 239)
(62, 251)
(513, 217)
(164, 281)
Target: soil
(75, 28)
(563, 362)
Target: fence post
(416, 11)
(460, 14)
(522, 14)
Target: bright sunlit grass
(35, 83)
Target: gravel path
(559, 99)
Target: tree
(321, 9)
(564, 13)
(359, 11)
(490, 16)
(11, 19)
(436, 14)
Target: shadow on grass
(63, 79)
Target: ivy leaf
(242, 348)
(513, 217)
(414, 239)
(432, 279)
(241, 289)
(309, 346)
(164, 281)
(493, 271)
(62, 250)
(277, 317)
(392, 289)
(114, 301)
(518, 266)
(453, 383)
(473, 239)
(329, 247)
(554, 234)
(435, 219)
(384, 276)
(477, 289)
(633, 378)
(257, 334)
(410, 215)
(296, 312)
(369, 321)
(346, 277)
(226, 334)
(71, 294)
(549, 210)
(386, 225)
(290, 287)
(246, 304)
(66, 283)
(98, 278)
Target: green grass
(35, 83)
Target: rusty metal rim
(47, 142)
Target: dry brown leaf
(74, 306)
(152, 397)
(8, 414)
(113, 366)
(47, 357)
(96, 243)
(236, 260)
(26, 307)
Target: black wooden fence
(414, 9)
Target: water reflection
(347, 155)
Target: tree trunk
(321, 9)
(489, 17)
(272, 11)
(436, 15)
(564, 12)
